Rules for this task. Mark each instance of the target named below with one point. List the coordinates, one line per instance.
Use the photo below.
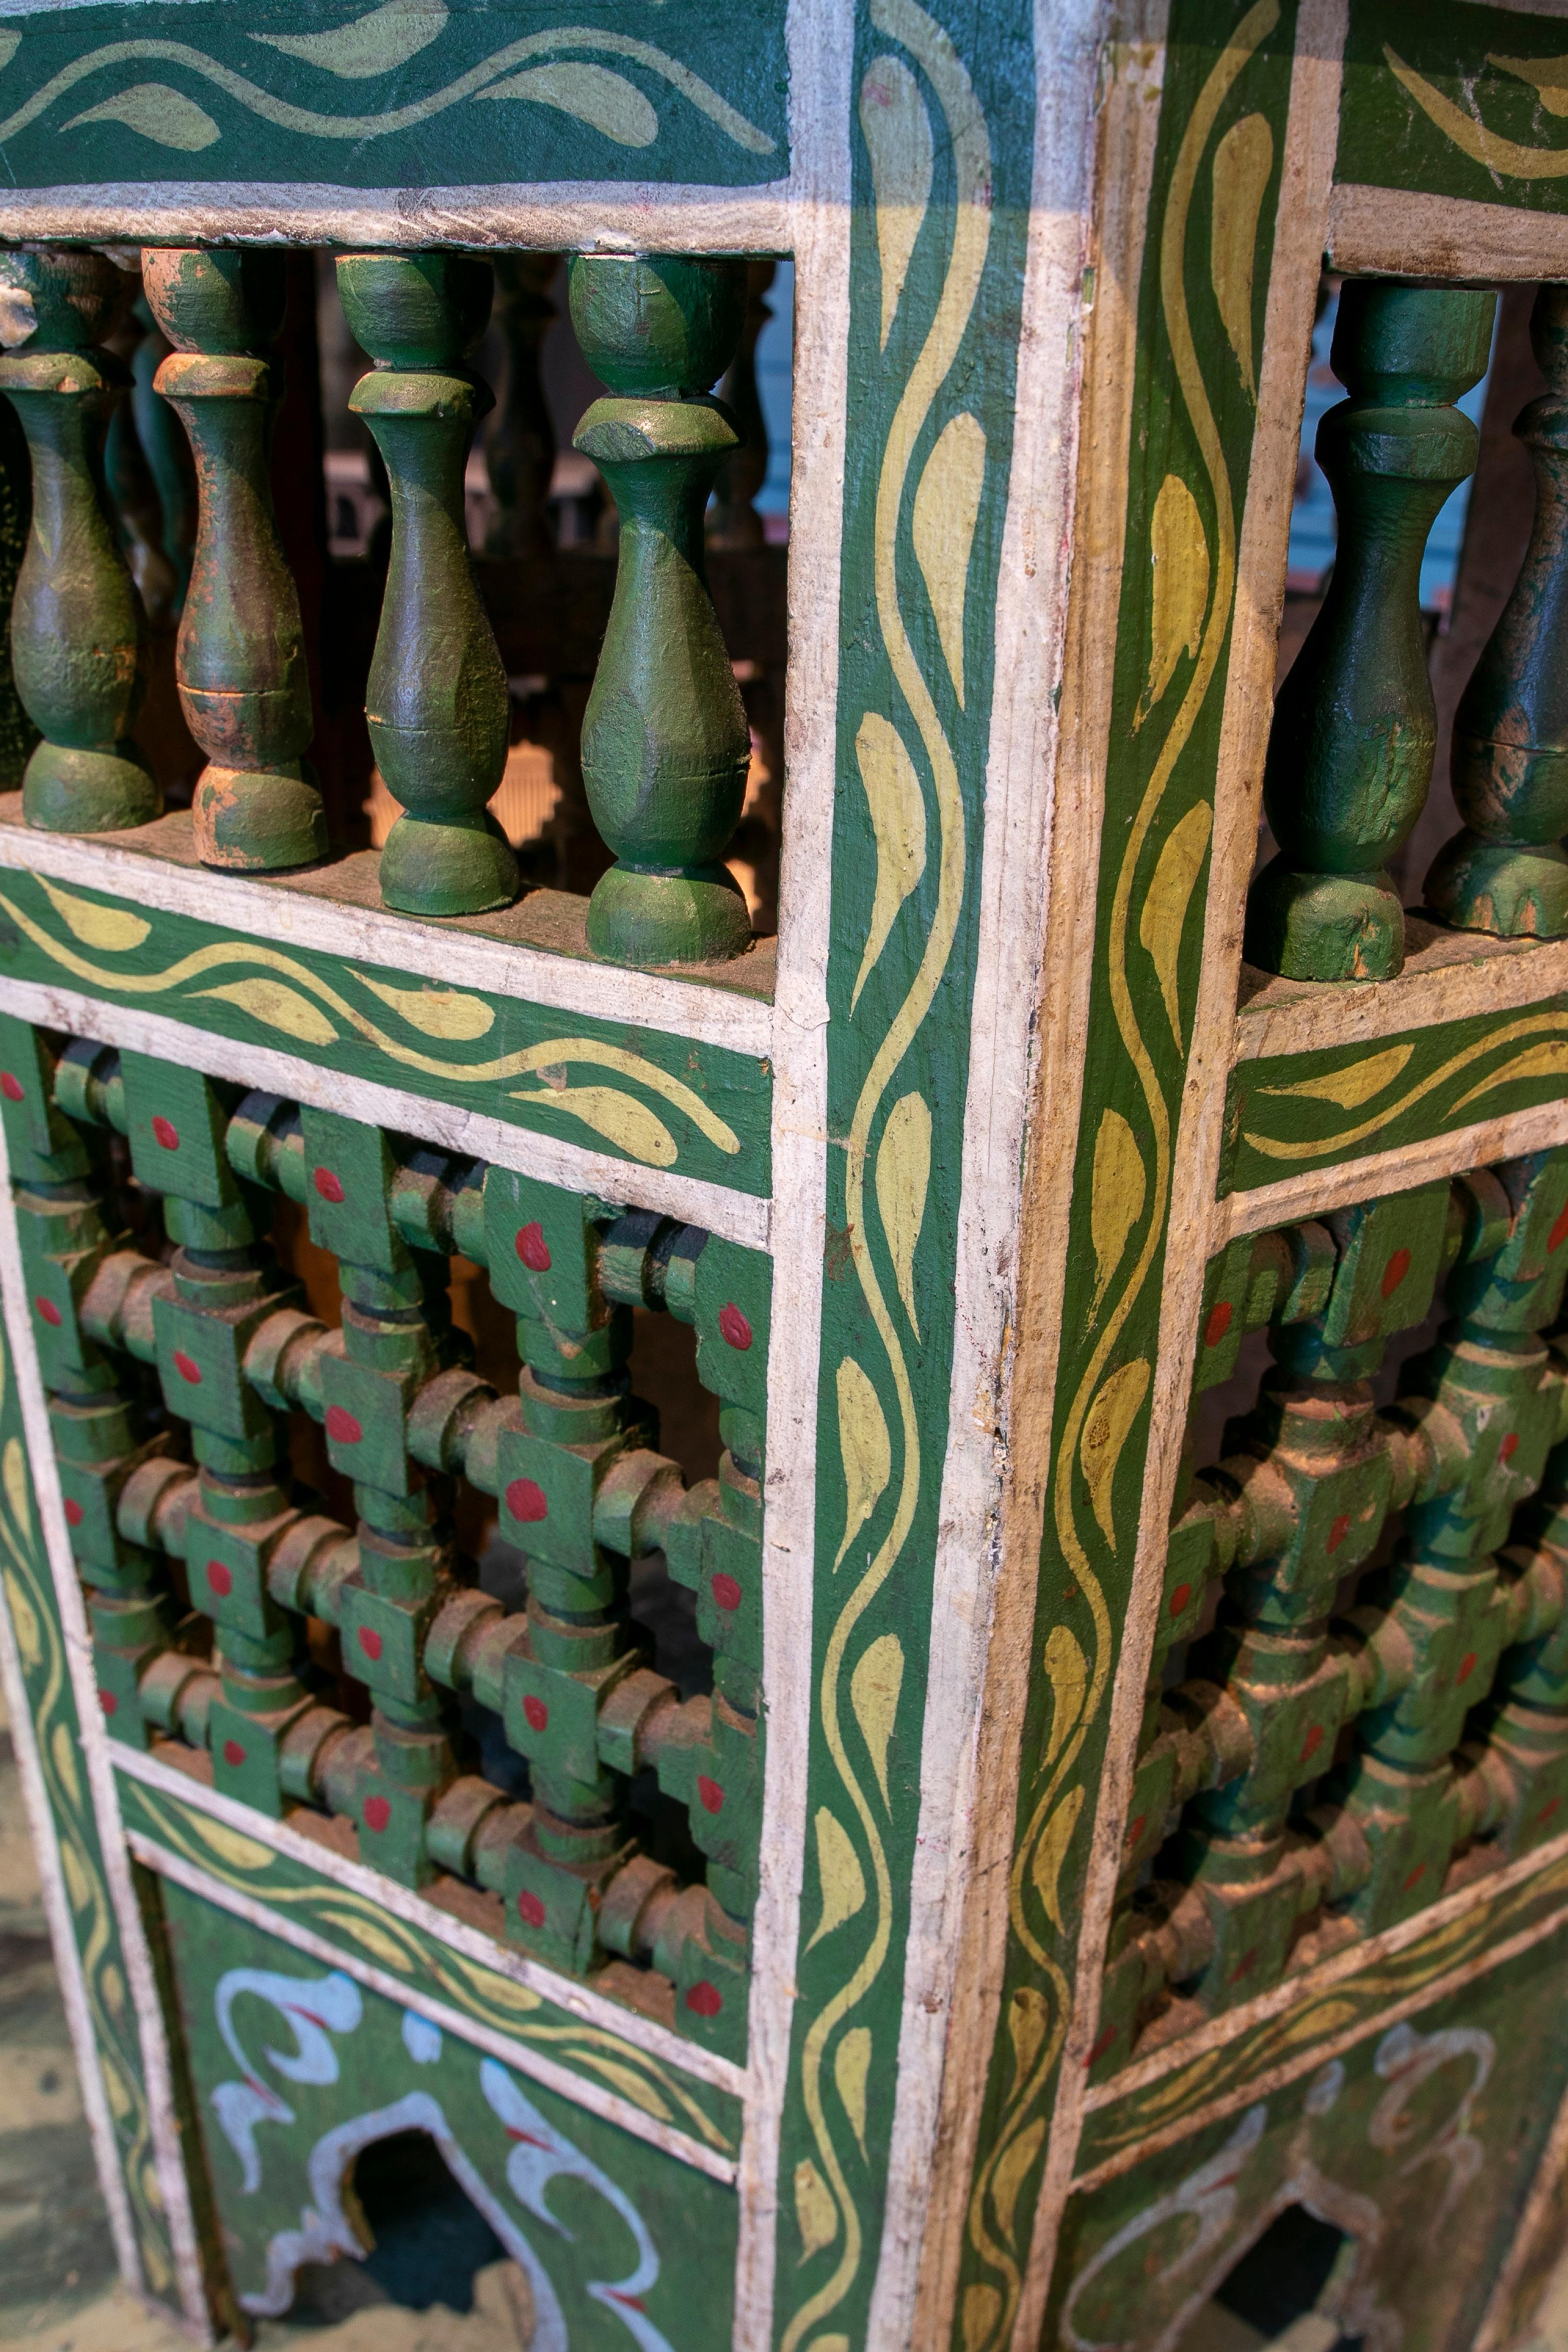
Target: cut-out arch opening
(424, 2239)
(1284, 2293)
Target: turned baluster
(1350, 757)
(165, 448)
(437, 708)
(1507, 871)
(240, 659)
(665, 741)
(520, 444)
(79, 634)
(734, 520)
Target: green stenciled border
(449, 97)
(1288, 1112)
(368, 1931)
(653, 1100)
(1193, 421)
(27, 1596)
(930, 374)
(1423, 108)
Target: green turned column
(1349, 758)
(78, 635)
(665, 741)
(437, 708)
(1506, 871)
(240, 660)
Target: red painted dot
(233, 1753)
(342, 1426)
(1180, 1598)
(1312, 1742)
(734, 1327)
(73, 1512)
(328, 1185)
(1244, 1966)
(1554, 1239)
(166, 1133)
(704, 1999)
(218, 1577)
(1218, 1325)
(370, 1643)
(1412, 1878)
(189, 1370)
(49, 1312)
(1551, 1803)
(526, 1501)
(529, 1909)
(1508, 1447)
(533, 1249)
(11, 1087)
(711, 1794)
(108, 1701)
(726, 1591)
(1102, 2046)
(1395, 1272)
(377, 1812)
(1337, 1532)
(1467, 1668)
(535, 1714)
(1135, 1830)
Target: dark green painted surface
(649, 1100)
(1427, 103)
(456, 96)
(297, 2067)
(1290, 1112)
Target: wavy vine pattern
(1107, 1396)
(27, 1595)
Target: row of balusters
(666, 745)
(1354, 738)
(1329, 1749)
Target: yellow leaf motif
(1242, 162)
(79, 1885)
(1550, 75)
(864, 1445)
(24, 1624)
(9, 45)
(896, 131)
(1179, 552)
(238, 1852)
(1351, 1087)
(1105, 1433)
(1116, 1202)
(1164, 915)
(112, 1984)
(903, 1179)
(1067, 1671)
(947, 503)
(816, 2214)
(629, 1125)
(1508, 157)
(435, 1012)
(851, 2066)
(368, 46)
(1012, 2171)
(14, 1471)
(1028, 2014)
(280, 1006)
(109, 928)
(157, 112)
(982, 2313)
(607, 102)
(62, 1748)
(1050, 1852)
(874, 1688)
(633, 2086)
(897, 810)
(1548, 1060)
(838, 1867)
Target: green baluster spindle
(1507, 871)
(437, 708)
(1349, 758)
(665, 741)
(240, 660)
(79, 634)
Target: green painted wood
(1507, 871)
(244, 682)
(438, 711)
(1355, 727)
(600, 2222)
(78, 631)
(666, 745)
(294, 91)
(17, 732)
(1449, 99)
(646, 1097)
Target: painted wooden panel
(1455, 101)
(392, 97)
